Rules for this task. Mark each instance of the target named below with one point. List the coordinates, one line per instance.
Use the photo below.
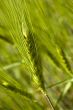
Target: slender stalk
(47, 100)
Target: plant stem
(47, 100)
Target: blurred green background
(36, 54)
